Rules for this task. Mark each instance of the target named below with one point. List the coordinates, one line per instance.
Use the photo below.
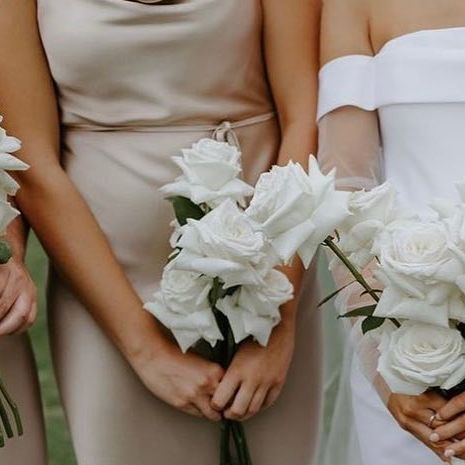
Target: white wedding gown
(400, 116)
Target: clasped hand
(438, 423)
(199, 387)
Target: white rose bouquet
(8, 187)
(221, 284)
(418, 313)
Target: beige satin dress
(138, 81)
(18, 371)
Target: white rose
(419, 271)
(420, 356)
(7, 215)
(9, 145)
(370, 212)
(176, 234)
(210, 174)
(296, 210)
(254, 311)
(182, 305)
(223, 244)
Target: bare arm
(291, 31)
(47, 197)
(67, 228)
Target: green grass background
(59, 444)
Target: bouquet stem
(329, 242)
(232, 432)
(7, 402)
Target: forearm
(82, 255)
(16, 235)
(291, 31)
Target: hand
(184, 381)
(18, 298)
(413, 413)
(256, 376)
(454, 430)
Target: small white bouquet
(221, 284)
(419, 312)
(8, 187)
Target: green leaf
(371, 323)
(334, 294)
(229, 291)
(185, 209)
(376, 291)
(5, 251)
(362, 311)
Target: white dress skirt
(397, 116)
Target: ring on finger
(432, 419)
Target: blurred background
(60, 449)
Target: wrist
(144, 343)
(289, 315)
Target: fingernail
(434, 437)
(449, 453)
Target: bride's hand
(454, 414)
(184, 381)
(18, 298)
(256, 376)
(414, 413)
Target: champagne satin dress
(138, 81)
(18, 372)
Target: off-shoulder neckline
(399, 38)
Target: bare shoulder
(345, 28)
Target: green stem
(2, 438)
(223, 353)
(225, 452)
(239, 443)
(242, 442)
(5, 420)
(355, 273)
(13, 407)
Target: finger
(17, 316)
(456, 449)
(224, 394)
(203, 404)
(33, 310)
(449, 430)
(423, 433)
(428, 417)
(452, 408)
(241, 402)
(257, 403)
(8, 297)
(193, 410)
(272, 397)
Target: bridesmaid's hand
(454, 414)
(184, 381)
(256, 376)
(413, 413)
(18, 298)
